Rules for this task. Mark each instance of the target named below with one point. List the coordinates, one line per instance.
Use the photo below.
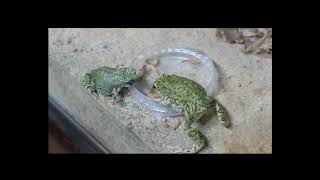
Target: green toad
(190, 98)
(109, 81)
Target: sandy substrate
(245, 87)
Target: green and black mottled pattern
(196, 136)
(183, 95)
(108, 81)
(188, 97)
(222, 115)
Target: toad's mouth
(130, 82)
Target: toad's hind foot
(222, 114)
(195, 148)
(198, 140)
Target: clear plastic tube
(172, 61)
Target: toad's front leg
(119, 99)
(119, 94)
(198, 140)
(196, 136)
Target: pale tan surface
(245, 90)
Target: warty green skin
(109, 81)
(188, 97)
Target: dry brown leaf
(178, 125)
(144, 70)
(230, 35)
(192, 61)
(152, 62)
(255, 40)
(153, 93)
(249, 32)
(255, 45)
